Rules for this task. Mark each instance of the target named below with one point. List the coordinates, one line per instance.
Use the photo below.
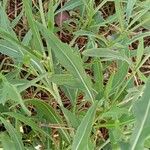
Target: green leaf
(120, 75)
(50, 114)
(11, 50)
(115, 137)
(5, 23)
(25, 51)
(142, 76)
(90, 145)
(70, 60)
(139, 16)
(130, 6)
(21, 86)
(138, 36)
(90, 35)
(81, 138)
(71, 93)
(27, 121)
(147, 143)
(98, 75)
(14, 134)
(108, 87)
(37, 39)
(74, 121)
(142, 114)
(107, 53)
(50, 16)
(140, 51)
(10, 92)
(17, 19)
(7, 142)
(27, 38)
(115, 112)
(143, 22)
(66, 79)
(120, 13)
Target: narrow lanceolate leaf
(107, 53)
(119, 13)
(10, 50)
(140, 51)
(50, 114)
(139, 16)
(81, 138)
(130, 5)
(14, 134)
(71, 93)
(108, 87)
(98, 74)
(38, 43)
(5, 23)
(142, 125)
(70, 60)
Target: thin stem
(42, 13)
(104, 144)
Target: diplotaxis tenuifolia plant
(74, 74)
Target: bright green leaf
(83, 132)
(142, 113)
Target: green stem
(42, 13)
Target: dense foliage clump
(74, 74)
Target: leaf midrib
(141, 127)
(77, 73)
(83, 132)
